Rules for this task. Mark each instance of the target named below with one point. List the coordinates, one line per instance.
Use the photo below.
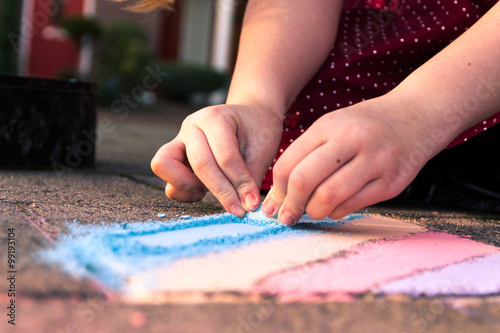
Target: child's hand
(225, 149)
(349, 159)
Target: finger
(204, 165)
(295, 153)
(373, 192)
(225, 149)
(262, 149)
(341, 185)
(184, 195)
(324, 161)
(170, 164)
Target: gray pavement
(122, 188)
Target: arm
(460, 86)
(283, 43)
(371, 151)
(228, 148)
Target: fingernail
(238, 211)
(251, 202)
(269, 208)
(287, 219)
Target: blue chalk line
(111, 252)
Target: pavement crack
(38, 222)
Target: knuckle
(213, 112)
(188, 121)
(199, 162)
(226, 197)
(280, 171)
(359, 134)
(226, 159)
(156, 165)
(299, 181)
(326, 195)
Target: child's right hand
(225, 149)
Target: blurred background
(102, 42)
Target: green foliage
(78, 26)
(10, 16)
(123, 58)
(186, 79)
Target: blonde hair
(149, 5)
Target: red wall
(50, 56)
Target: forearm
(460, 86)
(283, 43)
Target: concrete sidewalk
(122, 188)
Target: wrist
(436, 118)
(268, 105)
(421, 125)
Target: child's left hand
(349, 159)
